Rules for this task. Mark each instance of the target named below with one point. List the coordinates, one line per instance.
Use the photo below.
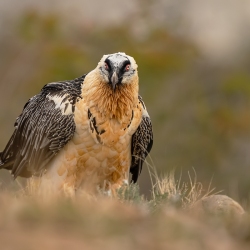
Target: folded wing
(43, 129)
(142, 142)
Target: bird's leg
(105, 188)
(119, 181)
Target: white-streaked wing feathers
(43, 128)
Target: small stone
(218, 205)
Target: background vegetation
(193, 65)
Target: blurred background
(194, 69)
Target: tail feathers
(136, 171)
(2, 165)
(5, 164)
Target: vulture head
(118, 69)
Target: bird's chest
(104, 129)
(100, 148)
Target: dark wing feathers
(42, 129)
(142, 142)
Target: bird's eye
(127, 68)
(106, 66)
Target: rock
(223, 210)
(219, 206)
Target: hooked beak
(114, 80)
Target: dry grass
(174, 191)
(31, 220)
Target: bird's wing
(142, 142)
(45, 125)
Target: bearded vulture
(87, 132)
